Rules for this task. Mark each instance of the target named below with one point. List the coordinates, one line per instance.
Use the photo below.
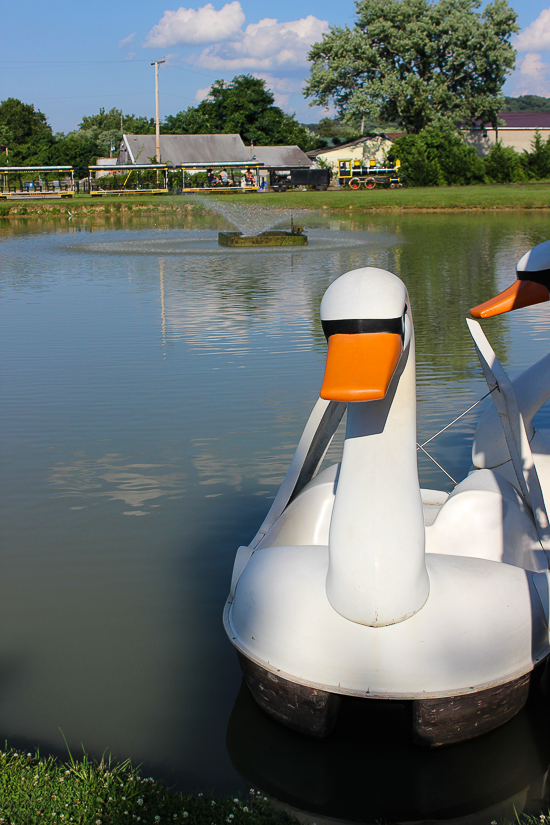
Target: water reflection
(148, 371)
(369, 770)
(113, 477)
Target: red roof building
(516, 129)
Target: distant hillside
(526, 103)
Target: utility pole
(156, 64)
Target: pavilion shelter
(28, 182)
(129, 179)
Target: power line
(66, 62)
(98, 95)
(102, 96)
(173, 63)
(176, 64)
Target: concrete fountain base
(295, 237)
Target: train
(355, 174)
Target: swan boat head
(532, 387)
(531, 287)
(377, 574)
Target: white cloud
(130, 56)
(532, 77)
(203, 25)
(265, 46)
(536, 36)
(201, 94)
(126, 40)
(533, 67)
(282, 87)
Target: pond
(154, 386)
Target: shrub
(503, 165)
(536, 163)
(417, 167)
(459, 163)
(438, 157)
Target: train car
(281, 180)
(354, 173)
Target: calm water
(154, 386)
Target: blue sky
(73, 57)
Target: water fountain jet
(254, 227)
(273, 237)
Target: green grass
(36, 790)
(490, 197)
(511, 196)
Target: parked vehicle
(281, 180)
(354, 173)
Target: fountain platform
(295, 237)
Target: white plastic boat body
(359, 583)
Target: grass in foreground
(37, 790)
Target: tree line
(428, 68)
(431, 70)
(243, 106)
(440, 157)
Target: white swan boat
(359, 583)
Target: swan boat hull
(299, 656)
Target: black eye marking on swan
(539, 276)
(355, 326)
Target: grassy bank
(506, 197)
(443, 197)
(35, 790)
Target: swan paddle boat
(359, 583)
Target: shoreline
(451, 199)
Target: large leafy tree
(25, 131)
(73, 150)
(30, 141)
(245, 107)
(106, 128)
(112, 120)
(21, 121)
(415, 63)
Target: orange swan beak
(361, 366)
(520, 294)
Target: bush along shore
(35, 789)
